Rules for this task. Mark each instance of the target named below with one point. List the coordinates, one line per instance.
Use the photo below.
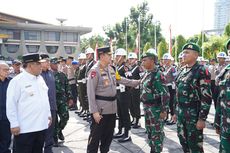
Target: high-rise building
(222, 15)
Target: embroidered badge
(93, 74)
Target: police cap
(33, 57)
(104, 50)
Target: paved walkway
(77, 132)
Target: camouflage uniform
(155, 98)
(63, 94)
(193, 104)
(223, 112)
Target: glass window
(32, 35)
(52, 36)
(32, 48)
(70, 49)
(13, 34)
(70, 37)
(52, 49)
(12, 48)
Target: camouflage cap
(191, 46)
(54, 60)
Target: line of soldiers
(185, 92)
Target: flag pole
(139, 37)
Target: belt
(71, 79)
(106, 98)
(154, 102)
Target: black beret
(70, 57)
(104, 50)
(34, 57)
(44, 56)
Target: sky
(186, 17)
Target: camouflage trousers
(190, 137)
(154, 127)
(63, 114)
(224, 143)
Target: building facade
(19, 36)
(222, 15)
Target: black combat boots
(125, 137)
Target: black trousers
(215, 92)
(5, 136)
(135, 103)
(30, 142)
(74, 93)
(123, 105)
(101, 133)
(49, 139)
(172, 93)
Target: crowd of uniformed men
(37, 93)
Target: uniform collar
(30, 76)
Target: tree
(162, 48)
(177, 47)
(213, 46)
(147, 28)
(91, 42)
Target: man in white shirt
(27, 107)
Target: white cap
(167, 56)
(221, 55)
(82, 56)
(132, 55)
(89, 50)
(152, 51)
(121, 51)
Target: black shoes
(125, 139)
(119, 134)
(61, 136)
(55, 142)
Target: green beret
(227, 44)
(191, 46)
(149, 53)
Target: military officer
(193, 100)
(223, 108)
(101, 91)
(170, 74)
(89, 52)
(48, 77)
(123, 98)
(221, 56)
(81, 82)
(134, 73)
(63, 94)
(72, 82)
(155, 98)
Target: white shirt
(27, 103)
